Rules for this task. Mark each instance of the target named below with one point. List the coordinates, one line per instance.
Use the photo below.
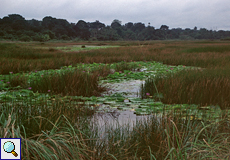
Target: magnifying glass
(9, 147)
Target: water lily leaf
(90, 103)
(109, 102)
(94, 98)
(123, 108)
(177, 107)
(101, 99)
(86, 98)
(120, 99)
(142, 106)
(142, 113)
(150, 99)
(157, 104)
(134, 106)
(141, 109)
(128, 104)
(204, 108)
(25, 91)
(135, 99)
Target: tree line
(16, 27)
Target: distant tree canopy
(16, 27)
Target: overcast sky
(209, 14)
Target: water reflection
(127, 88)
(104, 122)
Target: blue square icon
(10, 148)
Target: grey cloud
(174, 13)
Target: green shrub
(41, 37)
(25, 38)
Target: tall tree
(82, 30)
(129, 25)
(35, 25)
(116, 24)
(138, 27)
(17, 22)
(108, 33)
(96, 25)
(164, 27)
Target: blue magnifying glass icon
(9, 147)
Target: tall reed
(203, 87)
(167, 136)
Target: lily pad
(124, 108)
(109, 102)
(157, 104)
(142, 113)
(128, 104)
(142, 106)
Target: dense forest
(16, 27)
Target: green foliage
(25, 38)
(2, 33)
(41, 37)
(14, 25)
(9, 37)
(107, 34)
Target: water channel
(118, 118)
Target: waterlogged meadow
(75, 48)
(61, 97)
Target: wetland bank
(50, 96)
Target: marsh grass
(20, 52)
(168, 136)
(52, 127)
(28, 57)
(79, 81)
(18, 58)
(76, 83)
(203, 87)
(38, 115)
(61, 142)
(208, 49)
(125, 66)
(18, 80)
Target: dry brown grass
(173, 53)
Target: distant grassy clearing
(76, 48)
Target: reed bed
(204, 87)
(68, 83)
